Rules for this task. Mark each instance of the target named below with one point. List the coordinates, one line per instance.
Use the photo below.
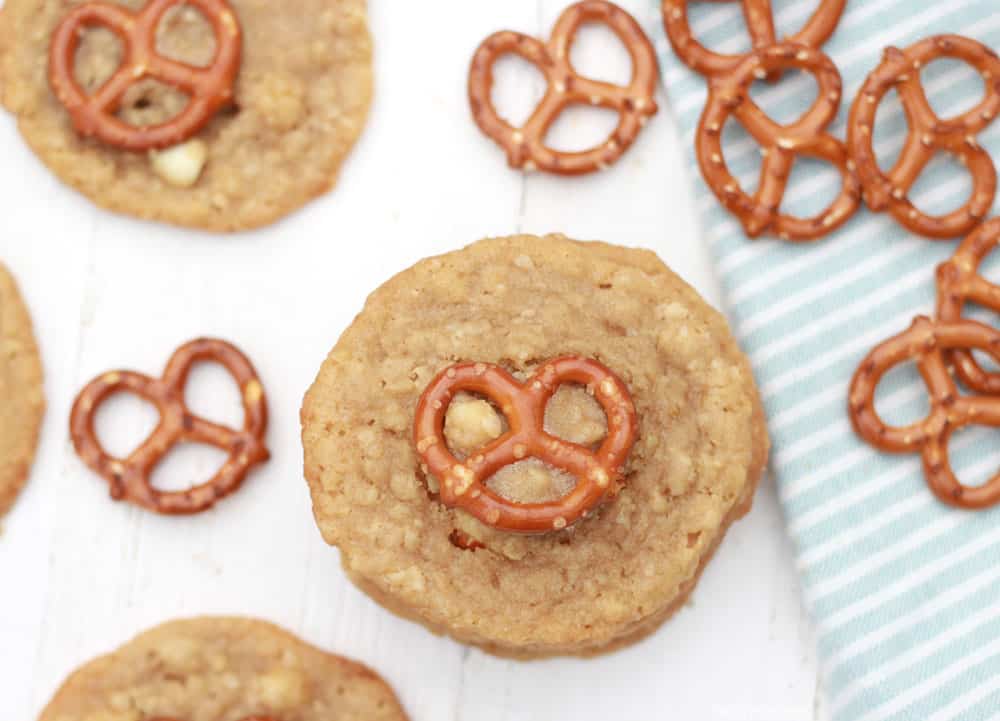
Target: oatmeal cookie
(22, 404)
(301, 98)
(517, 303)
(222, 669)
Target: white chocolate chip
(181, 165)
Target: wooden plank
(108, 292)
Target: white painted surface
(80, 574)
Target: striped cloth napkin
(904, 592)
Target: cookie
(22, 403)
(517, 303)
(222, 669)
(300, 101)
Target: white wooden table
(80, 574)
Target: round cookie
(518, 302)
(301, 99)
(222, 669)
(22, 403)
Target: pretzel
(900, 69)
(130, 478)
(760, 24)
(926, 342)
(526, 146)
(208, 89)
(463, 484)
(958, 282)
(729, 95)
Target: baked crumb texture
(22, 403)
(222, 669)
(517, 302)
(302, 97)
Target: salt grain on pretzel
(959, 282)
(729, 95)
(130, 478)
(760, 24)
(928, 134)
(927, 342)
(463, 484)
(634, 103)
(208, 88)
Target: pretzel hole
(742, 154)
(813, 185)
(719, 26)
(890, 132)
(187, 465)
(471, 422)
(901, 398)
(948, 83)
(518, 86)
(974, 453)
(98, 56)
(123, 422)
(574, 415)
(944, 186)
(598, 53)
(531, 481)
(150, 102)
(212, 393)
(184, 34)
(789, 100)
(581, 127)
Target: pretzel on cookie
(927, 134)
(760, 24)
(130, 478)
(208, 88)
(927, 342)
(634, 103)
(463, 483)
(959, 282)
(729, 95)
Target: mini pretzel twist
(130, 478)
(526, 146)
(928, 134)
(927, 342)
(463, 484)
(729, 95)
(208, 88)
(760, 24)
(958, 282)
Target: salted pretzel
(463, 483)
(208, 88)
(927, 342)
(634, 103)
(130, 478)
(900, 69)
(729, 95)
(959, 282)
(760, 24)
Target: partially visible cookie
(22, 403)
(517, 304)
(222, 669)
(301, 99)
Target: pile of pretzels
(730, 77)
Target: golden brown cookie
(22, 403)
(301, 98)
(222, 669)
(519, 303)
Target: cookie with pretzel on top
(222, 669)
(533, 444)
(222, 115)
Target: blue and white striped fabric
(904, 592)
